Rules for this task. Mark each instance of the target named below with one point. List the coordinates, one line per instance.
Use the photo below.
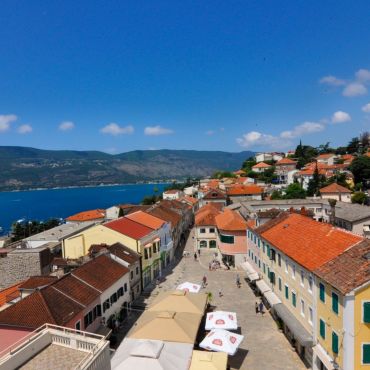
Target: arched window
(203, 244)
(212, 244)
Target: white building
(172, 194)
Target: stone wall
(20, 264)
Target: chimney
(332, 203)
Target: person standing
(204, 280)
(256, 307)
(261, 307)
(238, 280)
(195, 256)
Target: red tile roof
(172, 191)
(206, 216)
(308, 242)
(349, 270)
(9, 294)
(244, 190)
(94, 214)
(261, 165)
(101, 272)
(35, 282)
(285, 161)
(146, 219)
(165, 214)
(214, 194)
(239, 172)
(230, 220)
(325, 155)
(129, 227)
(334, 188)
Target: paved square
(264, 347)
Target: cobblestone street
(264, 347)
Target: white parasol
(220, 340)
(189, 287)
(221, 320)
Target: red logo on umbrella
(232, 339)
(217, 342)
(220, 322)
(186, 290)
(231, 317)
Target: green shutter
(334, 302)
(264, 268)
(322, 292)
(366, 353)
(367, 312)
(322, 329)
(263, 247)
(279, 284)
(286, 292)
(268, 251)
(334, 342)
(294, 299)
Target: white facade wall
(112, 213)
(345, 197)
(210, 233)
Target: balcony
(55, 347)
(166, 247)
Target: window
(294, 299)
(272, 277)
(78, 325)
(334, 342)
(228, 239)
(146, 253)
(106, 305)
(286, 265)
(120, 292)
(125, 286)
(202, 231)
(263, 247)
(155, 247)
(88, 319)
(302, 277)
(322, 292)
(259, 263)
(366, 353)
(322, 329)
(113, 298)
(249, 253)
(302, 308)
(280, 284)
(259, 243)
(286, 292)
(268, 251)
(272, 254)
(279, 259)
(212, 244)
(203, 244)
(255, 259)
(293, 272)
(310, 315)
(334, 302)
(310, 284)
(264, 268)
(366, 312)
(137, 270)
(131, 275)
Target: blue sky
(213, 75)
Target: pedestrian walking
(199, 252)
(220, 293)
(195, 256)
(256, 307)
(261, 308)
(204, 280)
(210, 266)
(238, 280)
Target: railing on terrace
(78, 340)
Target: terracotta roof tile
(35, 282)
(308, 242)
(244, 190)
(230, 220)
(206, 216)
(325, 155)
(165, 214)
(285, 161)
(334, 188)
(214, 194)
(9, 294)
(129, 227)
(261, 165)
(146, 219)
(101, 272)
(94, 214)
(349, 270)
(118, 249)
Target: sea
(60, 203)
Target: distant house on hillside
(261, 167)
(327, 158)
(213, 196)
(337, 192)
(283, 168)
(239, 193)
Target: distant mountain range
(25, 168)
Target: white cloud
(332, 81)
(354, 89)
(66, 126)
(340, 117)
(6, 120)
(157, 130)
(255, 138)
(366, 108)
(210, 132)
(363, 75)
(114, 129)
(303, 129)
(24, 129)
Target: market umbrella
(221, 320)
(189, 287)
(220, 340)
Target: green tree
(353, 146)
(360, 167)
(295, 191)
(248, 164)
(276, 194)
(359, 197)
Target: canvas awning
(253, 277)
(262, 286)
(142, 354)
(297, 329)
(246, 266)
(203, 360)
(272, 298)
(324, 357)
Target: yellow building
(284, 252)
(140, 238)
(343, 311)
